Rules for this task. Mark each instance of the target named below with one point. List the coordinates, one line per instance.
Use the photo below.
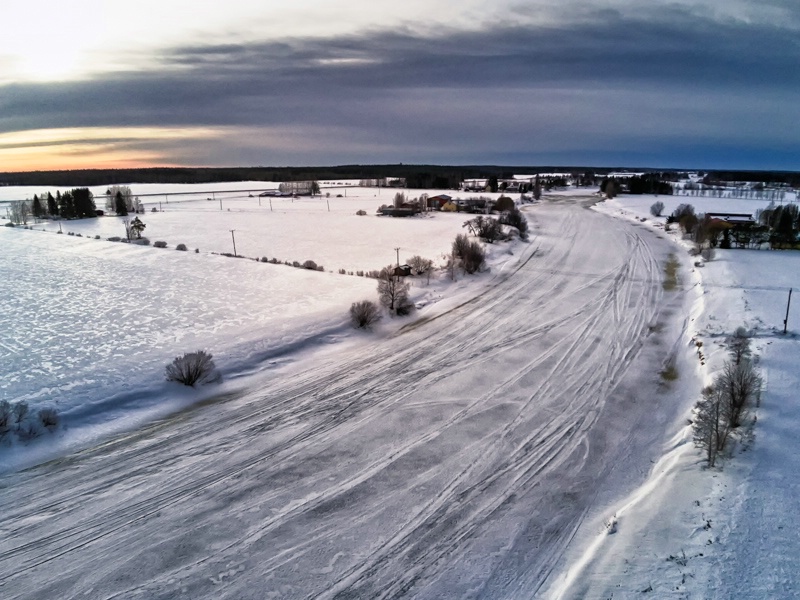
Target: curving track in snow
(456, 459)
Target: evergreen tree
(84, 203)
(38, 210)
(52, 205)
(120, 206)
(137, 227)
(66, 205)
(492, 183)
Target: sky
(681, 84)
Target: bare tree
(364, 314)
(393, 290)
(421, 266)
(191, 368)
(20, 211)
(657, 208)
(739, 345)
(469, 253)
(711, 424)
(741, 385)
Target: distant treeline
(416, 176)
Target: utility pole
(786, 320)
(398, 256)
(270, 205)
(234, 241)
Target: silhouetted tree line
(74, 204)
(417, 176)
(649, 183)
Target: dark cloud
(605, 81)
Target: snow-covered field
(89, 325)
(480, 448)
(325, 230)
(729, 532)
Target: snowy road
(455, 460)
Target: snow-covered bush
(470, 254)
(49, 418)
(515, 218)
(9, 224)
(657, 208)
(17, 419)
(486, 228)
(191, 368)
(181, 247)
(364, 314)
(160, 244)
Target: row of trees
(725, 404)
(74, 204)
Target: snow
(513, 438)
(728, 532)
(91, 324)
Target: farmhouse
(437, 202)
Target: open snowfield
(729, 532)
(456, 456)
(89, 325)
(479, 448)
(325, 230)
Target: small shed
(402, 271)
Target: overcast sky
(104, 83)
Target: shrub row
(17, 420)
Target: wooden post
(788, 304)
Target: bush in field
(470, 254)
(421, 266)
(364, 314)
(49, 419)
(310, 265)
(17, 419)
(160, 244)
(6, 418)
(181, 247)
(657, 208)
(114, 238)
(684, 216)
(486, 228)
(515, 218)
(504, 203)
(191, 368)
(361, 213)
